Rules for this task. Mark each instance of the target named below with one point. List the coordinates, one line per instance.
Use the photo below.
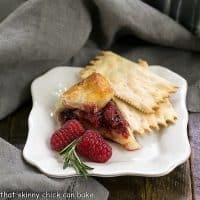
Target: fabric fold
(17, 176)
(33, 39)
(140, 20)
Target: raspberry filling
(109, 118)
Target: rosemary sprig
(71, 159)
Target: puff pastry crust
(129, 143)
(93, 92)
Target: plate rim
(176, 162)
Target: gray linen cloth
(36, 35)
(23, 180)
(185, 12)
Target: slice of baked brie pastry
(91, 102)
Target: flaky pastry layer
(95, 91)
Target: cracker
(142, 123)
(141, 88)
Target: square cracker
(132, 83)
(142, 123)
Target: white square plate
(160, 153)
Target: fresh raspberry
(91, 145)
(112, 116)
(66, 134)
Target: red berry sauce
(109, 118)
